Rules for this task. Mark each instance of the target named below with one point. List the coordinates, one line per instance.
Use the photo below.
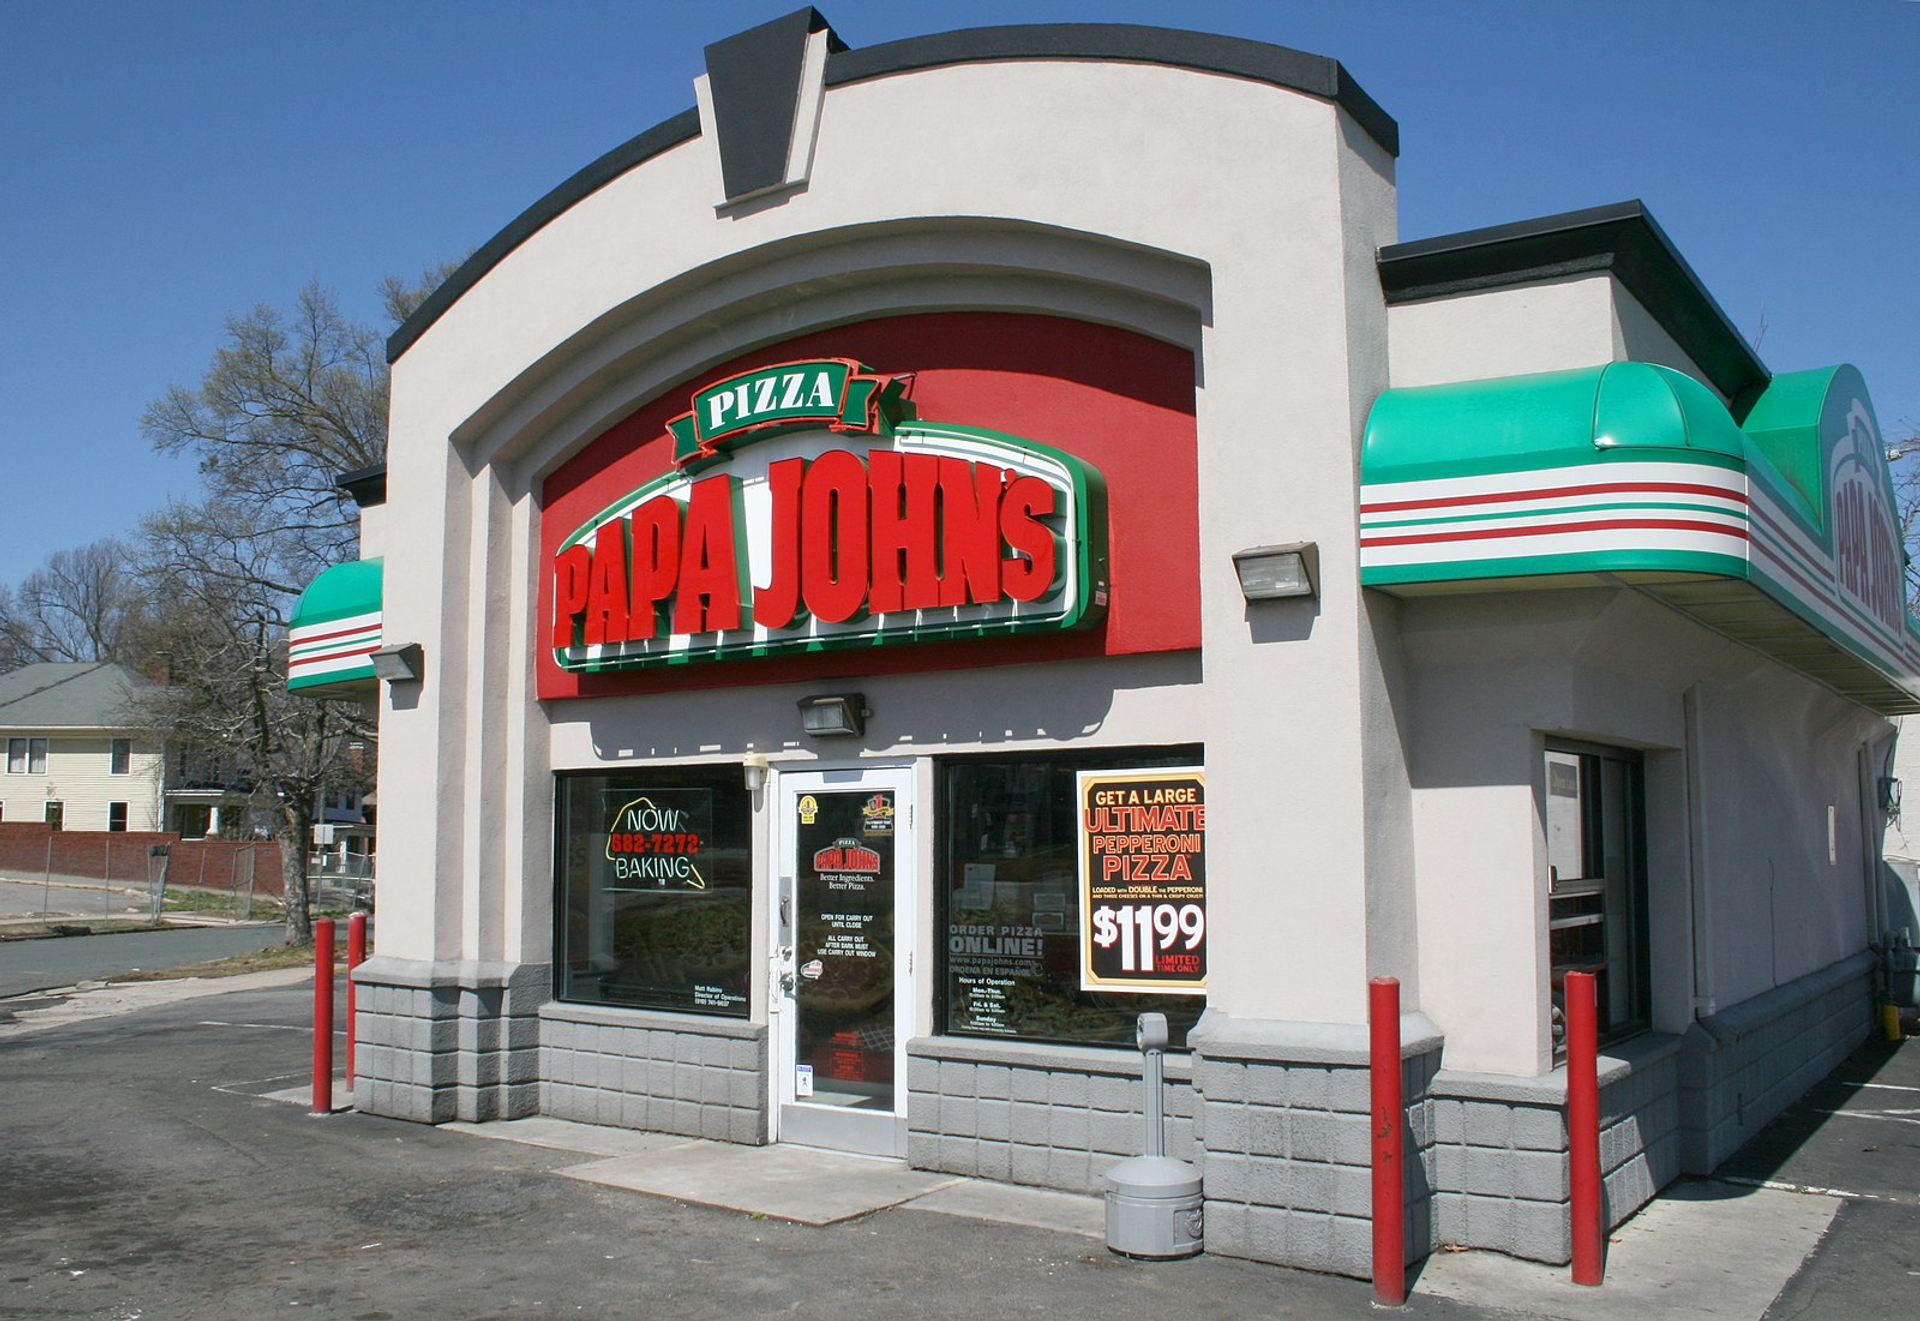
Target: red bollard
(356, 955)
(1389, 1158)
(323, 1016)
(1583, 1129)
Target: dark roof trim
(367, 486)
(1238, 57)
(1622, 239)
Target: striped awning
(1780, 529)
(335, 630)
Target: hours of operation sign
(1143, 880)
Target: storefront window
(1596, 878)
(654, 889)
(1009, 896)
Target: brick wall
(30, 849)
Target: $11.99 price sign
(1152, 937)
(1143, 880)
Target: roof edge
(1319, 76)
(1240, 57)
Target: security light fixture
(1268, 573)
(401, 664)
(754, 767)
(832, 715)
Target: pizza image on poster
(1143, 880)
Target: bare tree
(292, 399)
(81, 605)
(1903, 457)
(227, 699)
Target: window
(1596, 882)
(56, 814)
(121, 759)
(116, 816)
(26, 756)
(653, 879)
(1008, 891)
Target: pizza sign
(775, 532)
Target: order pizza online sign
(1143, 880)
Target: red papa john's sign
(773, 534)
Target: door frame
(790, 1118)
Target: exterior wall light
(1268, 573)
(832, 715)
(402, 664)
(754, 767)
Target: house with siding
(73, 755)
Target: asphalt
(37, 965)
(182, 1187)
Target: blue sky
(166, 165)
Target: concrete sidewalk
(1704, 1249)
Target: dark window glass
(116, 816)
(121, 758)
(1009, 900)
(654, 889)
(1597, 883)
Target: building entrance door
(843, 918)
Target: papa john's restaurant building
(946, 546)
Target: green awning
(335, 630)
(1782, 533)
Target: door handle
(788, 982)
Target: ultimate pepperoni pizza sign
(809, 509)
(1143, 880)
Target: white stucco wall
(1491, 677)
(1545, 325)
(1355, 743)
(1241, 220)
(1550, 325)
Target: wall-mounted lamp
(754, 767)
(1268, 573)
(832, 715)
(401, 664)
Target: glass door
(842, 959)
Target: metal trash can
(1154, 1203)
(1903, 973)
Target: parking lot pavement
(142, 1173)
(179, 1188)
(1855, 1137)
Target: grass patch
(184, 899)
(261, 960)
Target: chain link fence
(97, 879)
